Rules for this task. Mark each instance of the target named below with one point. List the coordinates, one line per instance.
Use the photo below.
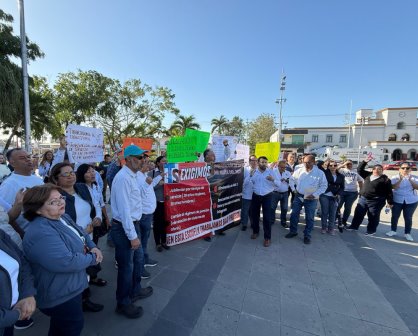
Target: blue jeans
(130, 263)
(347, 199)
(310, 207)
(264, 202)
(67, 319)
(245, 211)
(371, 206)
(328, 211)
(408, 211)
(145, 228)
(283, 198)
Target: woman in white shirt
(405, 199)
(45, 164)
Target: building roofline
(397, 108)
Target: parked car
(396, 165)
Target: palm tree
(179, 125)
(221, 124)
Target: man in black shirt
(376, 191)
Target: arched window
(405, 137)
(400, 125)
(392, 137)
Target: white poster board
(243, 152)
(85, 143)
(224, 147)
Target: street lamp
(281, 101)
(24, 57)
(362, 121)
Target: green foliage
(178, 128)
(219, 125)
(260, 130)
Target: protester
(126, 205)
(59, 252)
(62, 154)
(16, 286)
(247, 192)
(405, 200)
(263, 185)
(330, 198)
(376, 191)
(310, 183)
(210, 158)
(149, 204)
(102, 169)
(281, 193)
(352, 183)
(45, 165)
(4, 170)
(160, 223)
(114, 167)
(79, 206)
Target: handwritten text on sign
(85, 143)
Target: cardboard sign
(143, 143)
(202, 138)
(271, 150)
(182, 149)
(85, 143)
(243, 153)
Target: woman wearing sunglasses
(59, 252)
(405, 199)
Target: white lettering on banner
(85, 143)
(200, 230)
(194, 173)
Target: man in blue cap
(126, 203)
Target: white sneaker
(391, 233)
(408, 237)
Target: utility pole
(280, 102)
(362, 121)
(24, 57)
(349, 124)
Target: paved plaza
(349, 284)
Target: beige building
(394, 130)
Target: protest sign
(204, 198)
(243, 153)
(85, 143)
(143, 143)
(202, 139)
(224, 147)
(270, 150)
(182, 149)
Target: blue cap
(132, 150)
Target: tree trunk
(12, 134)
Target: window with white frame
(328, 138)
(315, 138)
(343, 138)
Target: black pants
(371, 206)
(160, 224)
(264, 202)
(66, 319)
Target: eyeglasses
(67, 174)
(253, 160)
(407, 168)
(57, 201)
(333, 165)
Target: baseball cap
(133, 150)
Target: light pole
(24, 57)
(281, 101)
(362, 121)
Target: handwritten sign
(182, 149)
(270, 150)
(202, 138)
(85, 143)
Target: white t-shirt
(82, 209)
(351, 179)
(10, 187)
(12, 267)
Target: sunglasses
(333, 165)
(67, 174)
(139, 157)
(407, 168)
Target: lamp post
(281, 101)
(362, 121)
(24, 57)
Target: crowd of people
(54, 216)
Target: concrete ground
(349, 284)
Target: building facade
(394, 130)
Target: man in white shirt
(352, 183)
(310, 183)
(126, 203)
(247, 192)
(20, 180)
(263, 186)
(281, 193)
(62, 154)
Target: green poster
(182, 149)
(202, 139)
